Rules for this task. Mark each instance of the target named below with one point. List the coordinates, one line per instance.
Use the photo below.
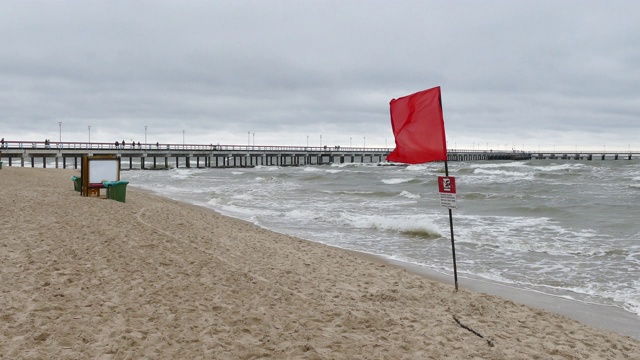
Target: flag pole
(453, 247)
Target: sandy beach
(152, 278)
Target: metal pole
(89, 134)
(145, 134)
(183, 139)
(453, 246)
(60, 127)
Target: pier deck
(162, 156)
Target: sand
(152, 278)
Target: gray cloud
(530, 74)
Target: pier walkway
(163, 156)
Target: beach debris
(487, 339)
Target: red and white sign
(447, 189)
(447, 184)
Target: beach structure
(163, 156)
(97, 171)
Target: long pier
(164, 156)
(475, 155)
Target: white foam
(245, 196)
(498, 165)
(213, 203)
(409, 195)
(501, 173)
(405, 224)
(419, 167)
(396, 181)
(181, 173)
(560, 167)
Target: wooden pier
(165, 156)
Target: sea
(565, 228)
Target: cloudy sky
(514, 74)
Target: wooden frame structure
(97, 169)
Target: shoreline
(158, 278)
(601, 316)
(604, 317)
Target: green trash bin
(77, 183)
(116, 190)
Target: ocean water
(567, 228)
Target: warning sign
(447, 189)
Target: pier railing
(55, 145)
(221, 155)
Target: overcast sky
(513, 73)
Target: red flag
(418, 126)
